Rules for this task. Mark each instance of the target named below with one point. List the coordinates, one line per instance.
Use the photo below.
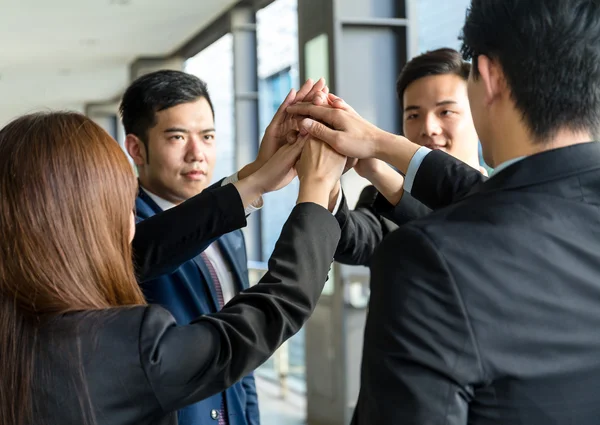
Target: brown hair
(66, 196)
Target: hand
(282, 123)
(276, 173)
(350, 134)
(324, 98)
(319, 170)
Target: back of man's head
(549, 53)
(156, 92)
(435, 62)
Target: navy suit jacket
(188, 293)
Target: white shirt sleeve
(413, 167)
(254, 206)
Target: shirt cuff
(254, 206)
(338, 202)
(413, 167)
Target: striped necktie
(223, 420)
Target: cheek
(411, 131)
(167, 161)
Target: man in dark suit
(487, 310)
(432, 89)
(169, 121)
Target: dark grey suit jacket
(487, 311)
(139, 367)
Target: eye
(447, 113)
(209, 137)
(177, 137)
(411, 117)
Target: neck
(519, 143)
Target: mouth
(195, 175)
(434, 146)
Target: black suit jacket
(487, 311)
(139, 367)
(163, 242)
(372, 219)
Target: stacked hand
(321, 147)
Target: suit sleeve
(405, 211)
(419, 359)
(252, 412)
(442, 180)
(185, 364)
(362, 229)
(166, 240)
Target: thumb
(319, 131)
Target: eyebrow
(441, 103)
(184, 130)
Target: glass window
(277, 35)
(214, 65)
(440, 23)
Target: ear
(136, 149)
(492, 78)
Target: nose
(195, 151)
(431, 126)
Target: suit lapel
(148, 201)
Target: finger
(322, 113)
(319, 85)
(339, 103)
(292, 136)
(325, 90)
(320, 131)
(319, 99)
(306, 87)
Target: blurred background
(81, 54)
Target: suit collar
(148, 200)
(545, 167)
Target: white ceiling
(61, 54)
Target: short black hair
(435, 62)
(549, 51)
(156, 92)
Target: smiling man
(432, 89)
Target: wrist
(312, 191)
(395, 150)
(250, 189)
(250, 169)
(334, 195)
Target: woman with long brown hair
(77, 342)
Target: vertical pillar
(245, 87)
(360, 47)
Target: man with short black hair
(432, 89)
(169, 121)
(487, 310)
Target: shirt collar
(506, 164)
(162, 203)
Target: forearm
(168, 239)
(388, 182)
(395, 150)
